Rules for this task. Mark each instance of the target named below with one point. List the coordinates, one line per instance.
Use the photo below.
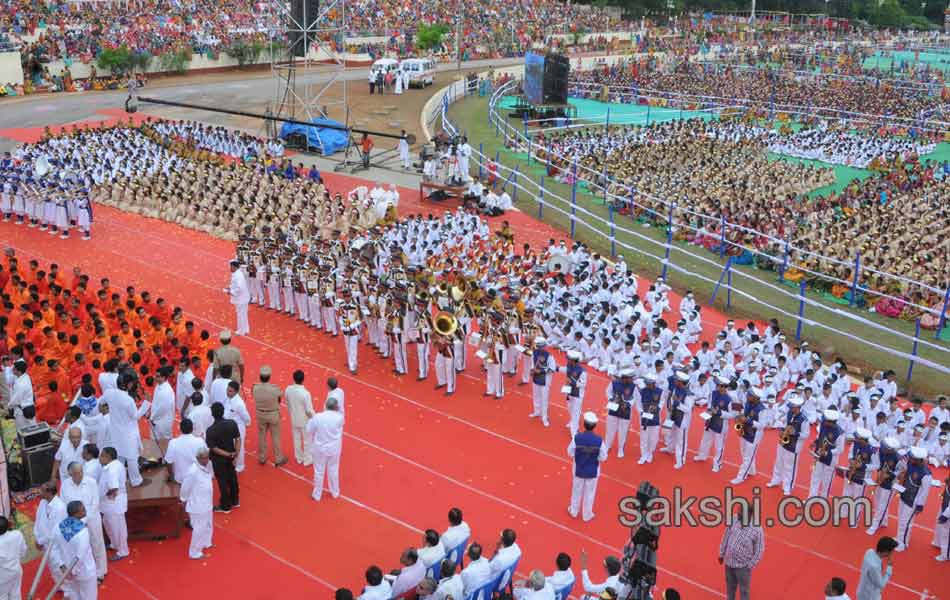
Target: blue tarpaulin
(327, 141)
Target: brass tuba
(445, 323)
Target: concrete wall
(10, 69)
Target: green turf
(885, 61)
(470, 115)
(621, 114)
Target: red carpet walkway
(411, 453)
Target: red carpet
(411, 454)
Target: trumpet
(740, 423)
(445, 323)
(787, 433)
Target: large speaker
(38, 463)
(34, 435)
(557, 67)
(304, 14)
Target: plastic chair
(457, 554)
(484, 592)
(506, 578)
(564, 592)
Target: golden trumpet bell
(445, 323)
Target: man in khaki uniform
(267, 407)
(229, 355)
(300, 407)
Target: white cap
(720, 380)
(225, 335)
(540, 341)
(682, 376)
(831, 415)
(590, 417)
(573, 355)
(892, 442)
(918, 452)
(756, 392)
(862, 433)
(650, 378)
(795, 401)
(626, 372)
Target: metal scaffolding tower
(307, 62)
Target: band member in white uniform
(541, 372)
(789, 449)
(575, 386)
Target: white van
(421, 71)
(384, 65)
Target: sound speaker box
(38, 463)
(304, 13)
(556, 70)
(34, 435)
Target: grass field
(471, 116)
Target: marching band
(444, 285)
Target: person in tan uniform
(267, 408)
(229, 355)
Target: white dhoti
(583, 491)
(117, 530)
(98, 543)
(617, 427)
(328, 464)
(202, 528)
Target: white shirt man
(87, 492)
(124, 429)
(201, 418)
(337, 393)
(12, 552)
(326, 432)
(450, 586)
(51, 511)
(182, 451)
(240, 294)
(476, 574)
(197, 493)
(455, 535)
(504, 558)
(20, 397)
(162, 412)
(236, 410)
(114, 502)
(70, 450)
(300, 407)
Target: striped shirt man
(742, 546)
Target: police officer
(267, 408)
(795, 432)
(588, 451)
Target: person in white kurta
(326, 431)
(163, 409)
(240, 294)
(50, 512)
(114, 502)
(75, 557)
(84, 488)
(182, 450)
(300, 408)
(404, 151)
(197, 493)
(124, 428)
(70, 450)
(12, 552)
(397, 83)
(21, 396)
(236, 410)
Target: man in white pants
(680, 403)
(74, 559)
(86, 490)
(621, 394)
(588, 451)
(650, 408)
(828, 446)
(716, 427)
(885, 464)
(914, 495)
(326, 431)
(197, 492)
(576, 384)
(754, 420)
(300, 407)
(445, 364)
(855, 481)
(350, 328)
(787, 455)
(240, 295)
(543, 366)
(50, 512)
(114, 502)
(942, 529)
(404, 151)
